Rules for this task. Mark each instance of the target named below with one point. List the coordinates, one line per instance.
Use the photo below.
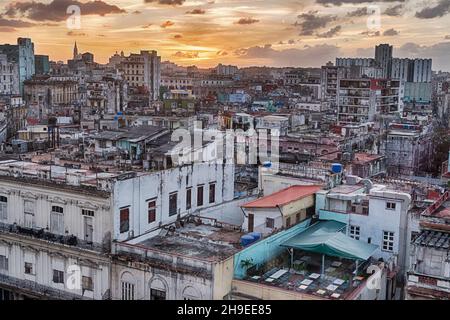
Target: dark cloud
(394, 11)
(222, 53)
(447, 37)
(166, 24)
(371, 34)
(14, 23)
(438, 52)
(308, 56)
(166, 2)
(76, 34)
(246, 21)
(390, 32)
(358, 12)
(177, 36)
(341, 2)
(148, 25)
(438, 10)
(311, 22)
(57, 9)
(196, 11)
(330, 33)
(137, 12)
(291, 41)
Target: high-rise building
(23, 54)
(143, 70)
(42, 64)
(383, 58)
(9, 76)
(360, 100)
(411, 70)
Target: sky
(293, 33)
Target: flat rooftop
(196, 241)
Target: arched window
(190, 293)
(158, 290)
(128, 286)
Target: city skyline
(244, 33)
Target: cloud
(177, 36)
(7, 29)
(438, 10)
(167, 24)
(394, 11)
(76, 34)
(56, 10)
(341, 2)
(438, 52)
(148, 25)
(222, 53)
(186, 54)
(371, 34)
(196, 11)
(390, 32)
(307, 56)
(358, 12)
(291, 41)
(14, 23)
(330, 33)
(447, 37)
(137, 12)
(311, 21)
(246, 21)
(166, 2)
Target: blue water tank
(267, 164)
(246, 240)
(336, 168)
(256, 235)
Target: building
(23, 55)
(42, 64)
(225, 70)
(279, 210)
(349, 62)
(359, 100)
(9, 76)
(407, 148)
(373, 214)
(429, 272)
(143, 70)
(313, 260)
(383, 59)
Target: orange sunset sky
(256, 32)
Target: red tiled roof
(283, 197)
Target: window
(354, 232)
(57, 220)
(388, 241)
(151, 211)
(87, 283)
(3, 208)
(188, 198)
(270, 223)
(124, 220)
(127, 291)
(88, 213)
(173, 204)
(58, 276)
(199, 196)
(353, 208)
(157, 294)
(297, 217)
(212, 193)
(28, 212)
(28, 268)
(3, 263)
(365, 210)
(288, 222)
(390, 205)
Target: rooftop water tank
(255, 235)
(336, 168)
(246, 240)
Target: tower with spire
(75, 51)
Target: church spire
(75, 51)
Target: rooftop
(284, 196)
